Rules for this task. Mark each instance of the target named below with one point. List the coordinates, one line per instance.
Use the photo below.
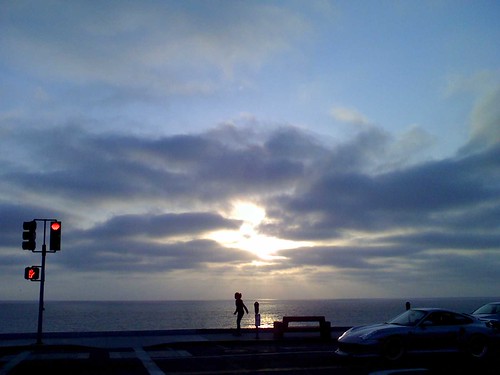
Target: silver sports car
(423, 330)
(490, 311)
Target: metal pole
(257, 319)
(42, 286)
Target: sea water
(88, 316)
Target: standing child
(240, 306)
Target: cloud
(340, 257)
(410, 198)
(326, 188)
(145, 257)
(114, 167)
(408, 148)
(137, 205)
(350, 116)
(484, 85)
(162, 225)
(162, 48)
(485, 129)
(477, 83)
(149, 244)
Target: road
(306, 358)
(204, 358)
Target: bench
(324, 327)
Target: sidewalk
(131, 339)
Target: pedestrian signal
(29, 235)
(32, 273)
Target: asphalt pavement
(128, 352)
(205, 352)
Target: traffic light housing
(55, 236)
(32, 273)
(29, 235)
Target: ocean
(88, 316)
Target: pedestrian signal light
(29, 235)
(32, 273)
(55, 236)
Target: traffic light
(32, 273)
(55, 235)
(29, 235)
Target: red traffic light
(55, 236)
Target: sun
(248, 238)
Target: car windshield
(408, 318)
(490, 308)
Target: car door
(436, 332)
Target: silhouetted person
(408, 306)
(240, 306)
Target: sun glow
(248, 237)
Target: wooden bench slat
(287, 319)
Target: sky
(283, 149)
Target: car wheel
(477, 346)
(393, 349)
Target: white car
(420, 330)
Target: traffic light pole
(42, 289)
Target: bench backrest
(288, 319)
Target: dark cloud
(418, 196)
(329, 257)
(148, 257)
(422, 219)
(290, 143)
(433, 239)
(73, 163)
(454, 268)
(349, 257)
(160, 226)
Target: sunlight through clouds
(248, 237)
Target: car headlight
(345, 334)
